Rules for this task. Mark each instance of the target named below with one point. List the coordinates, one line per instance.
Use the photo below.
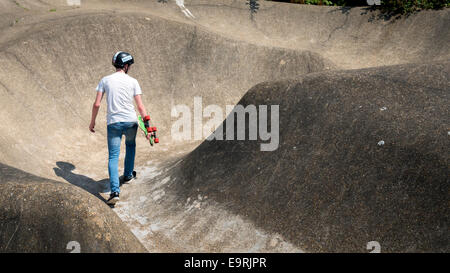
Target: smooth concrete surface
(328, 187)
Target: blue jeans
(115, 132)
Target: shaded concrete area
(41, 215)
(329, 186)
(65, 171)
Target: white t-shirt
(120, 90)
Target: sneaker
(113, 198)
(127, 179)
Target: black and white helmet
(121, 58)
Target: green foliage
(391, 6)
(328, 2)
(409, 6)
(312, 2)
(318, 2)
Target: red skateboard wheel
(156, 140)
(154, 129)
(147, 118)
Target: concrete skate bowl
(335, 191)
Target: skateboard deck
(149, 130)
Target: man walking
(121, 90)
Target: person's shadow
(64, 170)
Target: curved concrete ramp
(363, 156)
(40, 215)
(328, 187)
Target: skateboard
(144, 124)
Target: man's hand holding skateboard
(144, 123)
(146, 126)
(149, 131)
